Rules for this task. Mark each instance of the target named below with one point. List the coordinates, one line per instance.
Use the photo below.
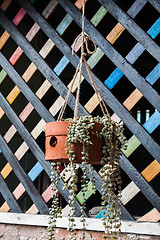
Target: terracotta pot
(56, 134)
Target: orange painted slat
(134, 97)
(4, 38)
(115, 33)
(5, 207)
(151, 171)
(79, 3)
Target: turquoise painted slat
(133, 55)
(64, 24)
(61, 65)
(153, 122)
(154, 75)
(35, 171)
(113, 78)
(100, 214)
(155, 29)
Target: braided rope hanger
(85, 39)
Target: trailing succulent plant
(114, 141)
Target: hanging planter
(86, 140)
(56, 136)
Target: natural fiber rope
(85, 39)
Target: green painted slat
(133, 143)
(89, 192)
(3, 74)
(98, 16)
(64, 24)
(95, 58)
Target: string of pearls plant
(114, 139)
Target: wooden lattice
(37, 67)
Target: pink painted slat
(17, 193)
(16, 55)
(47, 194)
(26, 112)
(32, 32)
(19, 16)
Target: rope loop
(85, 40)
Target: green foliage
(112, 133)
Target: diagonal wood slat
(18, 170)
(110, 100)
(7, 195)
(144, 90)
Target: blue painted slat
(35, 171)
(153, 122)
(100, 214)
(155, 29)
(154, 74)
(135, 53)
(132, 56)
(61, 65)
(113, 78)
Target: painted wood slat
(22, 176)
(141, 183)
(29, 72)
(33, 146)
(5, 5)
(132, 28)
(98, 185)
(43, 112)
(108, 94)
(129, 192)
(5, 36)
(134, 97)
(19, 16)
(39, 62)
(3, 74)
(24, 133)
(98, 16)
(133, 143)
(47, 11)
(153, 122)
(64, 24)
(115, 33)
(152, 216)
(154, 74)
(151, 171)
(136, 7)
(113, 55)
(132, 57)
(7, 195)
